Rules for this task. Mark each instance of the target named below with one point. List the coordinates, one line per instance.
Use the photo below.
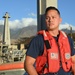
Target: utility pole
(71, 31)
(41, 7)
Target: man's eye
(53, 17)
(46, 17)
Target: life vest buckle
(46, 65)
(55, 73)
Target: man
(51, 51)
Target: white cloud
(20, 23)
(66, 26)
(30, 21)
(32, 14)
(1, 22)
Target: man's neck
(54, 32)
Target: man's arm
(29, 65)
(73, 66)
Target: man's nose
(50, 19)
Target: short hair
(52, 8)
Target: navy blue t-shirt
(36, 48)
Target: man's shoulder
(38, 37)
(69, 38)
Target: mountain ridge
(21, 32)
(24, 32)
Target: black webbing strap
(47, 44)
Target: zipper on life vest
(59, 54)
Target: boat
(12, 62)
(15, 68)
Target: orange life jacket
(59, 53)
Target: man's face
(52, 20)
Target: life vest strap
(47, 44)
(50, 74)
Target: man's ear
(60, 20)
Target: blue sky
(24, 12)
(17, 9)
(67, 10)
